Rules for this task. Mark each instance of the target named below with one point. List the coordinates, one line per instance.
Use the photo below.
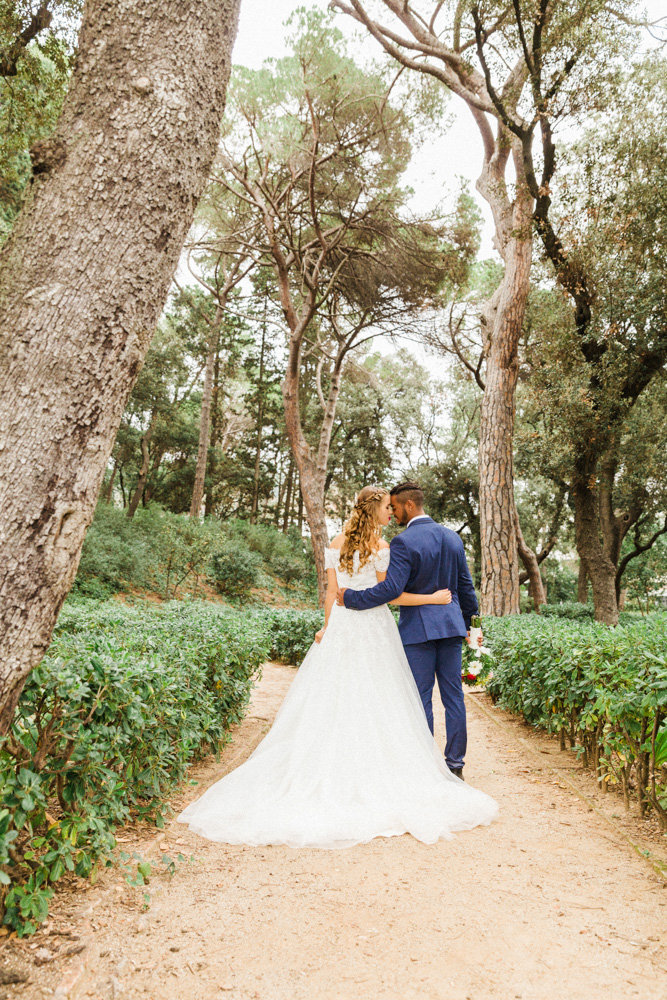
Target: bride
(350, 756)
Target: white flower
(474, 669)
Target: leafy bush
(568, 609)
(235, 570)
(292, 632)
(171, 553)
(155, 549)
(114, 553)
(561, 581)
(602, 689)
(288, 568)
(107, 724)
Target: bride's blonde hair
(362, 529)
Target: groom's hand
(340, 596)
(480, 639)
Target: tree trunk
(145, 465)
(215, 431)
(205, 419)
(149, 489)
(501, 325)
(112, 480)
(311, 462)
(529, 560)
(288, 494)
(260, 418)
(312, 494)
(582, 583)
(600, 567)
(83, 278)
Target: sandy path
(546, 903)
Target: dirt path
(547, 903)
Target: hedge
(292, 632)
(604, 690)
(106, 726)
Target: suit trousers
(441, 659)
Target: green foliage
(235, 570)
(106, 726)
(603, 689)
(155, 549)
(292, 632)
(173, 554)
(33, 83)
(572, 610)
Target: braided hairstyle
(362, 529)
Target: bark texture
(592, 550)
(532, 565)
(502, 321)
(82, 282)
(311, 462)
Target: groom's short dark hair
(409, 491)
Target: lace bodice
(362, 578)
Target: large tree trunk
(582, 583)
(502, 321)
(600, 567)
(83, 279)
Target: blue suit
(424, 558)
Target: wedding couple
(351, 755)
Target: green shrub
(292, 632)
(289, 569)
(235, 570)
(572, 610)
(602, 689)
(170, 554)
(114, 553)
(156, 549)
(106, 726)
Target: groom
(424, 558)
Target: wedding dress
(350, 756)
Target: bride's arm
(329, 600)
(437, 597)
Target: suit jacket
(424, 558)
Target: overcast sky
(435, 170)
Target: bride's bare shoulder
(337, 542)
(383, 544)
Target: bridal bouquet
(477, 660)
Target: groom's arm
(390, 588)
(466, 589)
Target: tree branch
(40, 20)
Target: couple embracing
(351, 755)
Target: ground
(549, 903)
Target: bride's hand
(319, 635)
(442, 597)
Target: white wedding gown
(350, 756)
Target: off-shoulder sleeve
(382, 561)
(331, 558)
